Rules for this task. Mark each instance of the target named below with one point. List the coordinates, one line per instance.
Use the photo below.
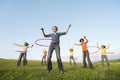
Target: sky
(21, 21)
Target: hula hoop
(22, 51)
(36, 42)
(110, 52)
(94, 51)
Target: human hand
(42, 29)
(70, 25)
(84, 37)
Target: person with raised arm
(23, 53)
(71, 58)
(43, 61)
(103, 49)
(55, 46)
(83, 44)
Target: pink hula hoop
(36, 42)
(110, 52)
(99, 50)
(22, 51)
(95, 51)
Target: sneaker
(84, 67)
(48, 71)
(61, 72)
(108, 65)
(25, 66)
(91, 67)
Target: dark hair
(71, 49)
(81, 40)
(56, 28)
(104, 46)
(26, 44)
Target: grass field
(36, 71)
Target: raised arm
(43, 32)
(98, 45)
(108, 45)
(68, 28)
(18, 45)
(86, 39)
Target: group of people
(55, 45)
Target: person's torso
(55, 38)
(84, 47)
(71, 53)
(103, 51)
(25, 48)
(44, 53)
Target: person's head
(26, 44)
(44, 50)
(81, 40)
(71, 49)
(103, 46)
(54, 29)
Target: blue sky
(21, 20)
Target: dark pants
(72, 58)
(22, 55)
(102, 60)
(43, 60)
(55, 47)
(86, 55)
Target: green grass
(36, 71)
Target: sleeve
(48, 35)
(62, 33)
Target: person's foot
(18, 65)
(48, 71)
(108, 65)
(25, 66)
(61, 72)
(91, 67)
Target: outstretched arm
(77, 44)
(68, 28)
(18, 45)
(86, 39)
(31, 46)
(43, 32)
